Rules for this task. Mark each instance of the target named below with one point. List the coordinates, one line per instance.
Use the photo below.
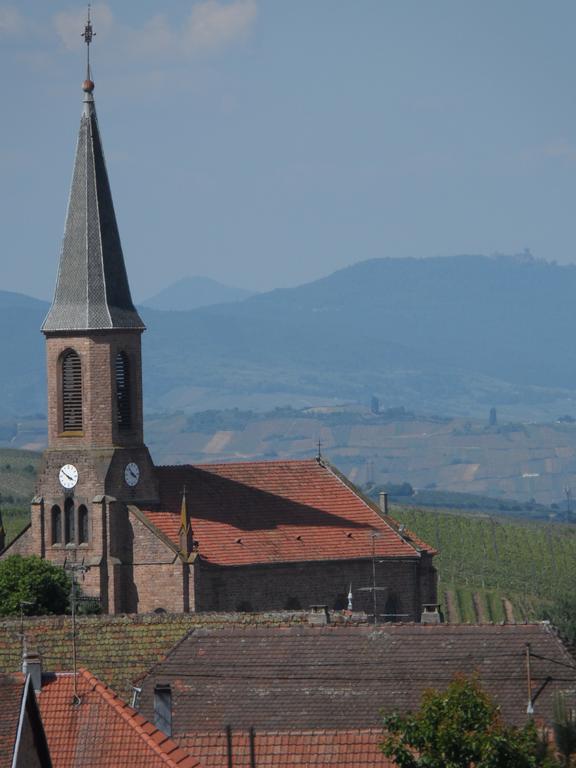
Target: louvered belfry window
(123, 394)
(71, 392)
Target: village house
(69, 720)
(277, 689)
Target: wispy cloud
(11, 21)
(213, 24)
(209, 26)
(561, 150)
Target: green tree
(564, 728)
(562, 614)
(32, 585)
(461, 728)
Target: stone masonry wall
(298, 585)
(97, 354)
(157, 578)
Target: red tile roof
(11, 691)
(101, 731)
(291, 749)
(276, 511)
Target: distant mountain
(192, 292)
(10, 300)
(450, 335)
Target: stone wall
(97, 353)
(404, 586)
(156, 578)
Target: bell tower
(96, 462)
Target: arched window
(56, 516)
(82, 525)
(69, 527)
(123, 394)
(71, 392)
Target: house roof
(101, 731)
(277, 511)
(118, 649)
(11, 692)
(291, 749)
(343, 676)
(18, 704)
(92, 291)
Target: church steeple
(92, 291)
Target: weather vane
(88, 34)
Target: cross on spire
(88, 34)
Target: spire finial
(88, 34)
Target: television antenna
(73, 568)
(374, 588)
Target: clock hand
(67, 475)
(132, 473)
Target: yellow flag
(184, 514)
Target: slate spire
(92, 291)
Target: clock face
(68, 476)
(132, 473)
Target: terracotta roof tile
(101, 731)
(288, 749)
(11, 692)
(333, 677)
(275, 511)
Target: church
(247, 536)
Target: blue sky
(266, 143)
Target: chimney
(431, 614)
(32, 665)
(319, 615)
(383, 502)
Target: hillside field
(491, 568)
(17, 476)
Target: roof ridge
(169, 653)
(368, 502)
(267, 462)
(165, 748)
(145, 520)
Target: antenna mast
(74, 568)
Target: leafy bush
(34, 585)
(562, 614)
(461, 727)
